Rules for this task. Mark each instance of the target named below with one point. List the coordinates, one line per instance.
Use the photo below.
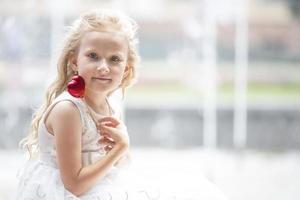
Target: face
(101, 60)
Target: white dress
(40, 179)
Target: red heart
(76, 86)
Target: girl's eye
(116, 59)
(93, 55)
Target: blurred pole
(57, 25)
(240, 85)
(209, 82)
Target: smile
(102, 79)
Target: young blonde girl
(78, 143)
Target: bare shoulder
(63, 113)
(65, 108)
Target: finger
(108, 148)
(106, 140)
(101, 124)
(107, 130)
(107, 124)
(105, 134)
(110, 119)
(120, 126)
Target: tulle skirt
(41, 181)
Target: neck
(97, 101)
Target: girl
(98, 57)
(77, 142)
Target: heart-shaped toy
(76, 86)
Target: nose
(103, 66)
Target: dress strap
(65, 96)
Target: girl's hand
(114, 132)
(107, 142)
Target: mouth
(102, 79)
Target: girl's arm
(67, 128)
(124, 160)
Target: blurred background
(219, 85)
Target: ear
(72, 60)
(126, 71)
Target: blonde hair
(96, 20)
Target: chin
(103, 89)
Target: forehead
(108, 41)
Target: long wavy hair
(95, 20)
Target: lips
(102, 78)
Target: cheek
(85, 70)
(118, 73)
